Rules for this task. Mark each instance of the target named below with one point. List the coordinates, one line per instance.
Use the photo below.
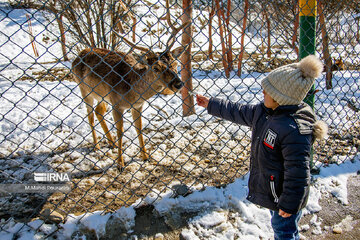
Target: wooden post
(186, 72)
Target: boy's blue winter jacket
(280, 151)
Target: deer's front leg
(92, 126)
(118, 118)
(136, 114)
(100, 111)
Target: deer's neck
(146, 86)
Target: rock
(337, 230)
(115, 228)
(50, 216)
(180, 190)
(174, 220)
(159, 236)
(85, 233)
(78, 235)
(304, 228)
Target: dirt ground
(333, 213)
(216, 161)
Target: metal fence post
(307, 45)
(307, 35)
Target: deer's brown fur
(125, 81)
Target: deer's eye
(157, 68)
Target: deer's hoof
(145, 157)
(120, 167)
(96, 147)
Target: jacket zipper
(272, 186)
(258, 140)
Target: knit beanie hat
(289, 84)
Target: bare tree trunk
(229, 43)
(32, 38)
(87, 8)
(60, 23)
(100, 40)
(186, 73)
(267, 20)
(296, 27)
(62, 37)
(212, 14)
(223, 46)
(115, 28)
(358, 29)
(72, 17)
(242, 49)
(103, 34)
(325, 44)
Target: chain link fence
(46, 138)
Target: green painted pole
(307, 35)
(307, 11)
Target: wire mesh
(44, 119)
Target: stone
(159, 236)
(51, 216)
(180, 190)
(115, 229)
(337, 230)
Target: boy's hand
(202, 101)
(284, 214)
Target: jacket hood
(307, 122)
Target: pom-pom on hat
(289, 84)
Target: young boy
(283, 131)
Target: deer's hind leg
(89, 101)
(100, 111)
(136, 114)
(119, 123)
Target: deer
(338, 65)
(125, 81)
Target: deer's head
(163, 66)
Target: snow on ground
(37, 117)
(223, 213)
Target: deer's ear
(177, 52)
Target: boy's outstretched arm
(234, 112)
(202, 101)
